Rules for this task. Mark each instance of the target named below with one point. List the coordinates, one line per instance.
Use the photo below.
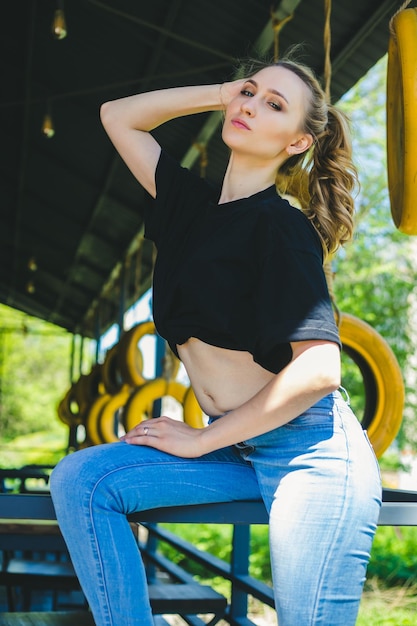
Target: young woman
(241, 297)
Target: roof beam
(388, 7)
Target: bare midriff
(222, 379)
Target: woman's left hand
(168, 435)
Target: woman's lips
(240, 124)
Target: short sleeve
(293, 302)
(178, 196)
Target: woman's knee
(63, 471)
(74, 472)
(64, 477)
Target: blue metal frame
(399, 508)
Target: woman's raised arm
(128, 123)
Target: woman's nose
(248, 107)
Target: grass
(394, 606)
(36, 448)
(380, 606)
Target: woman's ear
(302, 144)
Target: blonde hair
(324, 177)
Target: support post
(239, 567)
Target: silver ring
(145, 430)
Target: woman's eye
(246, 92)
(276, 106)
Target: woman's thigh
(94, 489)
(320, 480)
(133, 478)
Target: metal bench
(187, 597)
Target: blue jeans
(317, 475)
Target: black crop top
(244, 275)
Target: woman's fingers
(166, 434)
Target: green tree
(375, 275)
(34, 375)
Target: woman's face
(265, 120)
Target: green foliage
(216, 539)
(212, 538)
(259, 561)
(34, 375)
(394, 558)
(41, 448)
(391, 462)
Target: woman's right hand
(128, 122)
(230, 90)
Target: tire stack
(115, 396)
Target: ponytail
(324, 178)
(332, 179)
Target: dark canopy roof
(70, 227)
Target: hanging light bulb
(32, 264)
(59, 25)
(48, 126)
(30, 287)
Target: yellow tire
(141, 401)
(193, 415)
(112, 378)
(129, 357)
(64, 413)
(383, 383)
(108, 417)
(79, 387)
(69, 410)
(93, 384)
(402, 121)
(92, 419)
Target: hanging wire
(277, 26)
(327, 40)
(391, 22)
